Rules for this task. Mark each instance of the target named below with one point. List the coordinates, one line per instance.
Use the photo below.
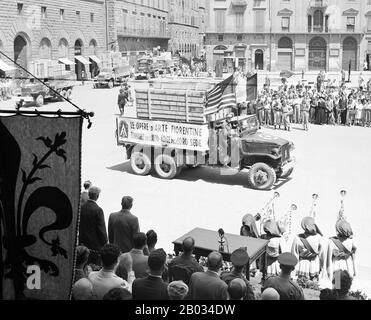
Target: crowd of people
(122, 263)
(321, 103)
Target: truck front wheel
(166, 167)
(140, 164)
(262, 176)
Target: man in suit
(92, 233)
(140, 261)
(184, 262)
(122, 226)
(207, 285)
(152, 287)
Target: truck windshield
(249, 124)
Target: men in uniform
(305, 107)
(277, 112)
(283, 284)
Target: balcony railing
(318, 3)
(140, 32)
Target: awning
(66, 61)
(82, 60)
(4, 67)
(95, 59)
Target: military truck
(112, 77)
(171, 132)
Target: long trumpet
(285, 222)
(343, 194)
(313, 209)
(268, 212)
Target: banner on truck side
(163, 133)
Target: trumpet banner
(40, 164)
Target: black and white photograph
(187, 152)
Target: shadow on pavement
(207, 174)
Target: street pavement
(329, 159)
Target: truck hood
(264, 138)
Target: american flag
(221, 97)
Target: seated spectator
(237, 289)
(82, 290)
(239, 259)
(342, 283)
(140, 261)
(118, 294)
(207, 285)
(152, 287)
(270, 294)
(82, 256)
(182, 267)
(106, 279)
(151, 240)
(283, 284)
(177, 290)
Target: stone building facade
(184, 27)
(32, 30)
(137, 25)
(293, 35)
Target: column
(324, 23)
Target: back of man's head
(82, 255)
(94, 193)
(151, 238)
(139, 240)
(214, 261)
(237, 289)
(188, 245)
(270, 294)
(127, 203)
(110, 254)
(87, 185)
(82, 290)
(156, 261)
(118, 294)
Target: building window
(369, 23)
(61, 14)
(78, 15)
(285, 24)
(351, 21)
(239, 22)
(239, 37)
(220, 20)
(92, 17)
(20, 8)
(318, 21)
(43, 12)
(309, 23)
(220, 38)
(259, 20)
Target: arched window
(318, 20)
(63, 48)
(285, 43)
(350, 53)
(78, 47)
(45, 49)
(93, 46)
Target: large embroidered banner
(39, 205)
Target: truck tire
(111, 84)
(262, 176)
(39, 100)
(166, 167)
(140, 164)
(69, 94)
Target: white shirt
(104, 281)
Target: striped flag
(223, 96)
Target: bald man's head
(188, 245)
(237, 289)
(214, 261)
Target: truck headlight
(276, 152)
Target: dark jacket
(93, 234)
(207, 286)
(122, 226)
(150, 288)
(140, 265)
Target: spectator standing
(123, 225)
(239, 259)
(105, 280)
(151, 241)
(92, 233)
(207, 285)
(177, 290)
(237, 289)
(182, 267)
(140, 261)
(270, 294)
(82, 290)
(283, 284)
(82, 256)
(152, 287)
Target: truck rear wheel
(262, 176)
(140, 164)
(166, 167)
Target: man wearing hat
(239, 259)
(283, 284)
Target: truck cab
(110, 77)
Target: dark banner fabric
(40, 161)
(252, 87)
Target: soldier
(305, 107)
(277, 112)
(283, 284)
(286, 111)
